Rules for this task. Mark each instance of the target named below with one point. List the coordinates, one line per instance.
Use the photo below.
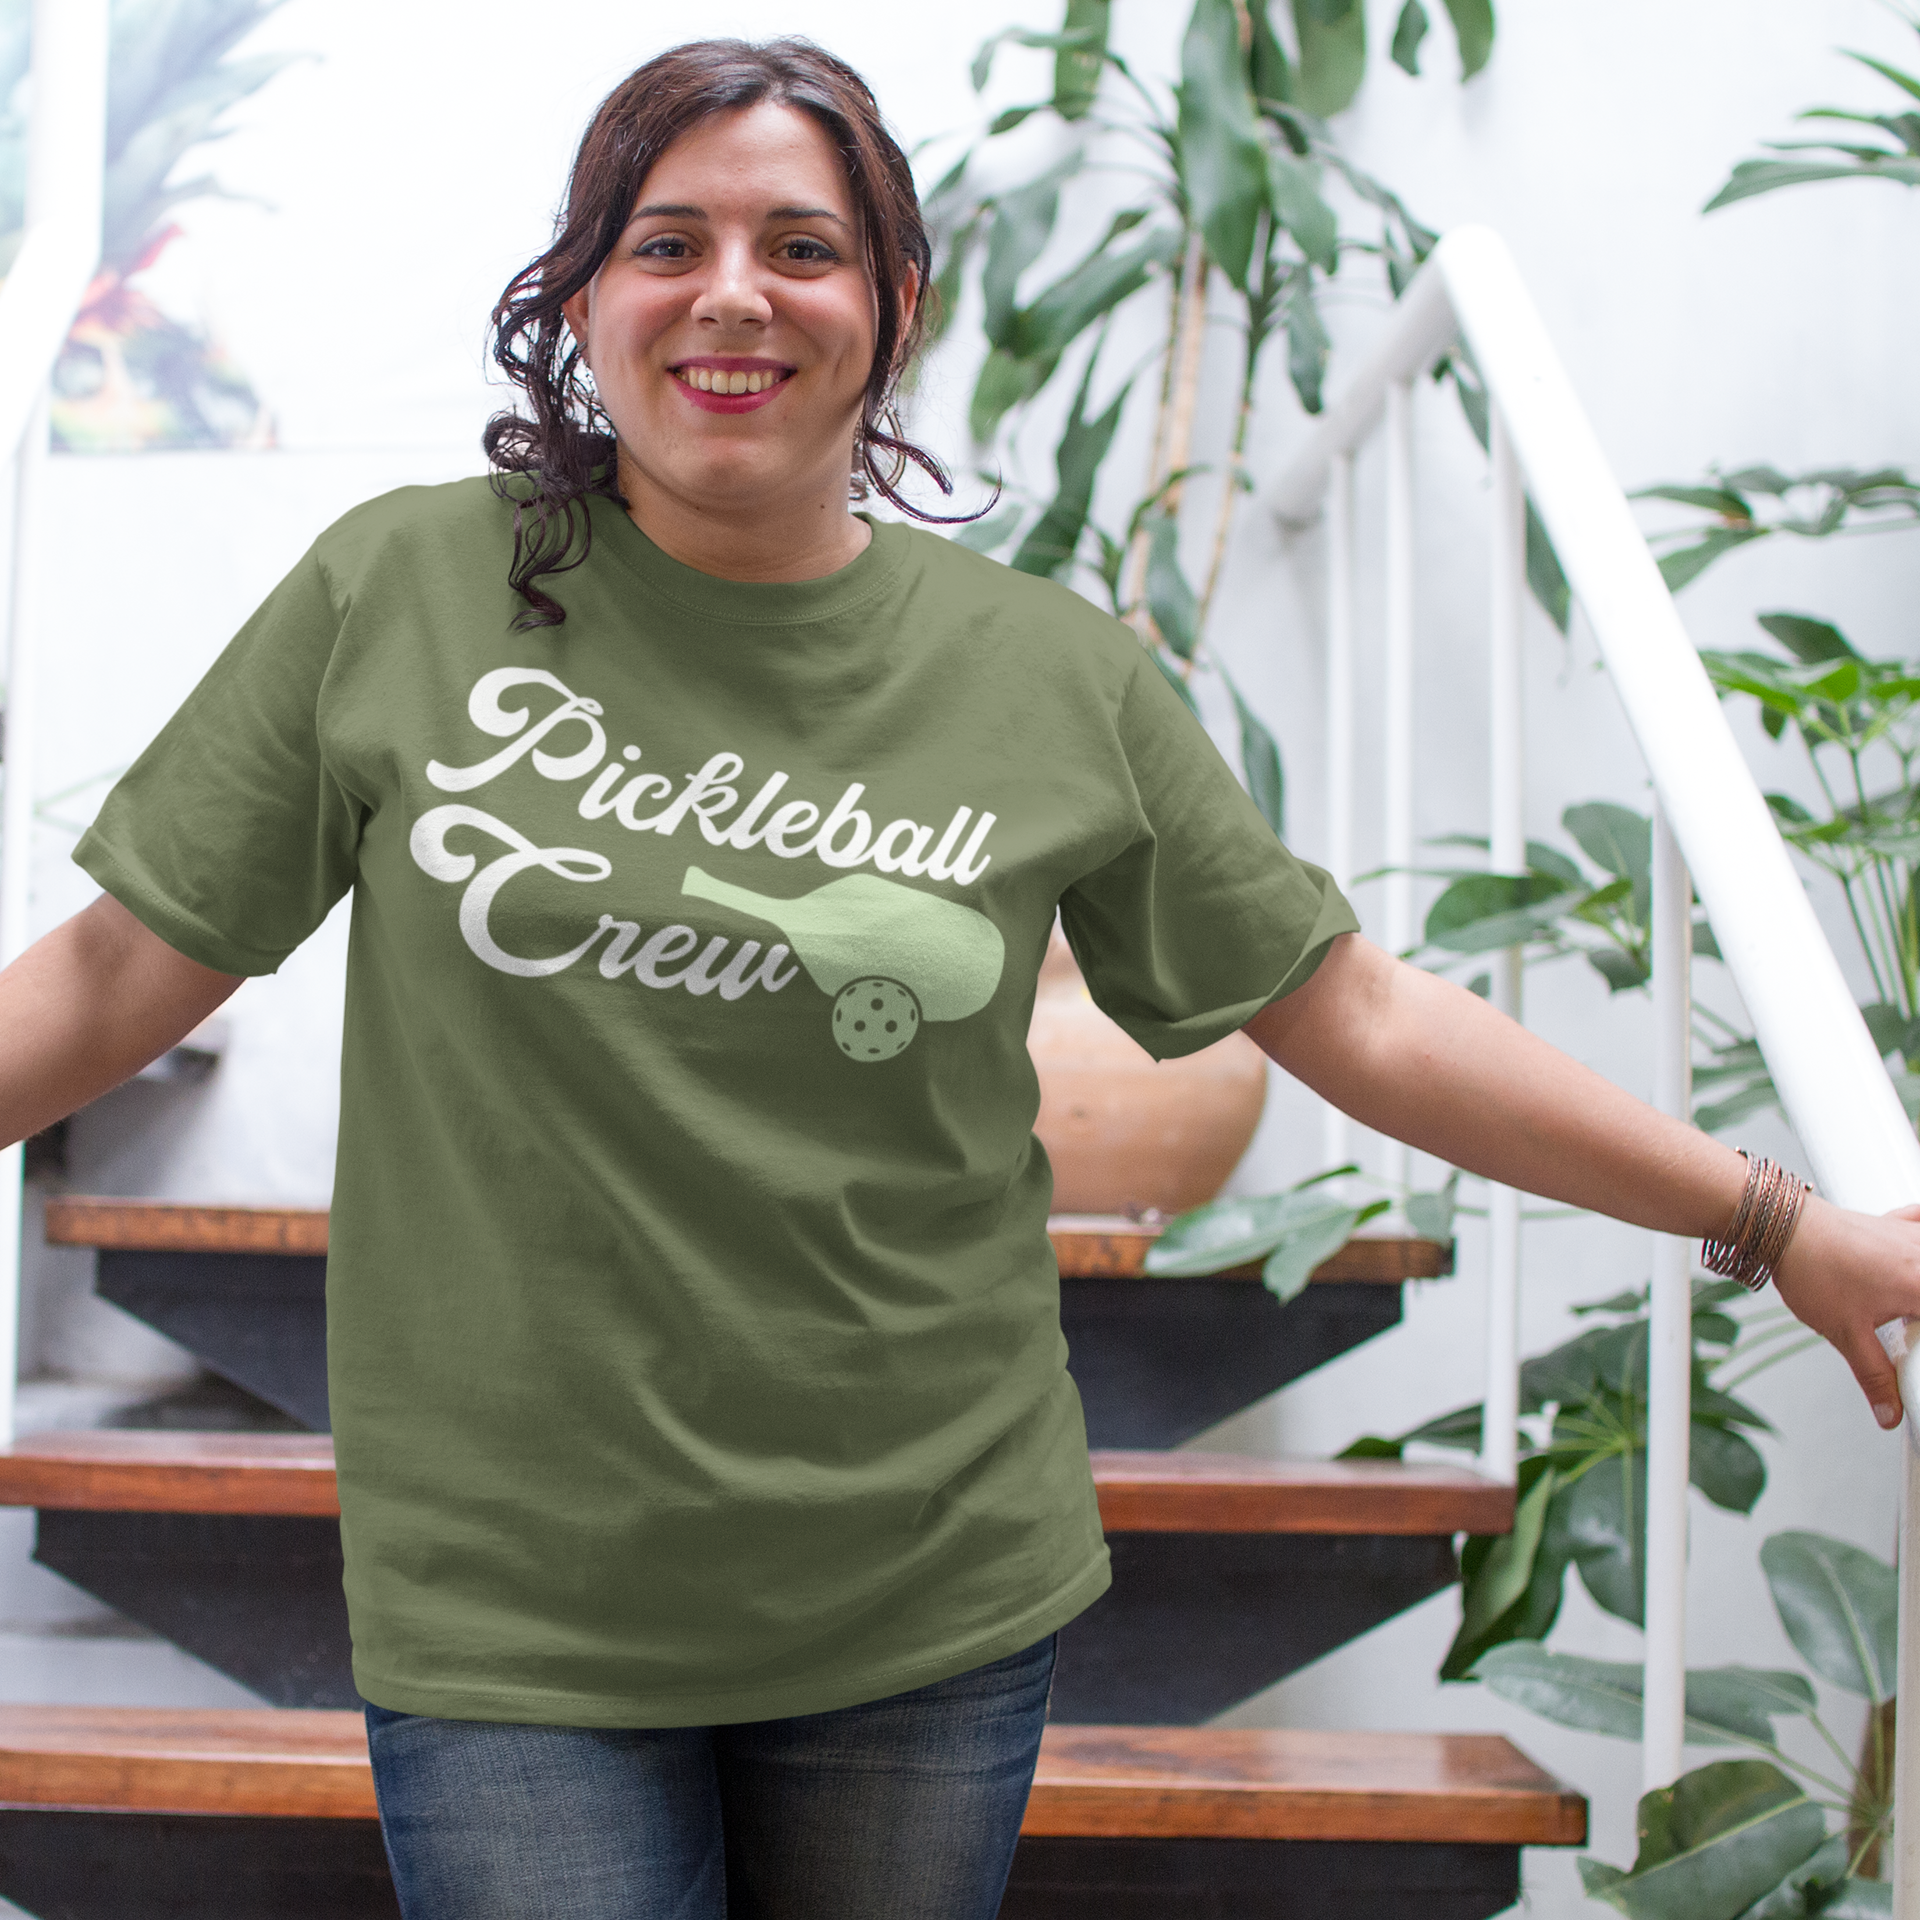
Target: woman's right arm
(87, 1007)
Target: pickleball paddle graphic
(890, 956)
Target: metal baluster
(1499, 1437)
(66, 142)
(1670, 1345)
(1337, 1134)
(1397, 919)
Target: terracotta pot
(1125, 1133)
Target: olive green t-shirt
(693, 1333)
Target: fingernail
(1887, 1414)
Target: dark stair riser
(1156, 1361)
(258, 1318)
(124, 1866)
(256, 1596)
(1195, 1623)
(259, 1598)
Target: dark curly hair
(548, 465)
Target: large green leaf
(1806, 1890)
(1077, 69)
(1808, 639)
(1298, 207)
(1171, 601)
(1266, 782)
(1473, 28)
(1272, 70)
(1022, 225)
(1612, 837)
(1840, 1607)
(1004, 383)
(1229, 1233)
(1408, 32)
(1506, 1570)
(1752, 177)
(1601, 1523)
(1726, 1468)
(1318, 1235)
(1222, 157)
(1333, 53)
(1684, 565)
(1308, 343)
(1054, 539)
(1723, 1704)
(1486, 912)
(1713, 1843)
(1087, 292)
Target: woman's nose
(731, 293)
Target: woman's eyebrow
(664, 210)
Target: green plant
(1290, 1233)
(1581, 1492)
(130, 375)
(1842, 160)
(1230, 224)
(1769, 1838)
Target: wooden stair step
(116, 1471)
(1087, 1246)
(1095, 1782)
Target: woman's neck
(803, 539)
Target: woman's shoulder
(453, 518)
(1032, 608)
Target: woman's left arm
(1413, 1056)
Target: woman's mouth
(720, 388)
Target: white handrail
(1831, 1082)
(66, 160)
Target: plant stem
(1183, 327)
(1230, 492)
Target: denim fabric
(905, 1808)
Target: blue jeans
(906, 1808)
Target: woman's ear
(576, 309)
(909, 297)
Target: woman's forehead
(768, 158)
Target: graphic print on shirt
(888, 955)
(891, 956)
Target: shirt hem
(535, 1706)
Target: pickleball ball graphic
(874, 1019)
(892, 958)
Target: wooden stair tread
(1087, 1246)
(127, 1471)
(1105, 1782)
(160, 1226)
(1098, 1246)
(137, 1471)
(1195, 1492)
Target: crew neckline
(752, 603)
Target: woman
(712, 1483)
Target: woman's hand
(1415, 1057)
(87, 1007)
(1844, 1274)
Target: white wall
(414, 165)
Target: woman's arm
(1411, 1055)
(87, 1007)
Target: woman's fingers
(1844, 1274)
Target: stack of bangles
(1762, 1224)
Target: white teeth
(703, 379)
(736, 382)
(756, 382)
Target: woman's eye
(805, 249)
(666, 247)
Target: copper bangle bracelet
(1761, 1226)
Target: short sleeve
(1204, 917)
(228, 837)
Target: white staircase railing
(1709, 819)
(59, 253)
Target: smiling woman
(777, 262)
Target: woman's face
(731, 329)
